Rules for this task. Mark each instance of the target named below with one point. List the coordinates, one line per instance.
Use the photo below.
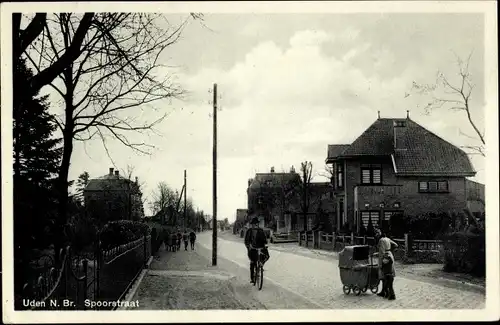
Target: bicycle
(259, 270)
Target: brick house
(271, 197)
(277, 198)
(396, 166)
(113, 197)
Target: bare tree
(164, 197)
(116, 73)
(457, 97)
(37, 30)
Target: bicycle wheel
(255, 275)
(260, 272)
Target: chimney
(137, 180)
(407, 114)
(272, 169)
(400, 129)
(117, 173)
(378, 112)
(111, 171)
(292, 169)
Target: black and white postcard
(249, 161)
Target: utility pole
(214, 157)
(185, 191)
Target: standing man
(255, 238)
(192, 238)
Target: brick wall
(405, 191)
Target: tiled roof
(426, 153)
(273, 179)
(109, 183)
(335, 150)
(376, 140)
(423, 152)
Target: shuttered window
(371, 176)
(365, 218)
(365, 176)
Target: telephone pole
(185, 191)
(214, 157)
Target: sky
(289, 85)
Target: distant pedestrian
(179, 238)
(173, 242)
(192, 239)
(185, 238)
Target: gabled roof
(424, 153)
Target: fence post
(85, 282)
(334, 240)
(320, 233)
(408, 245)
(300, 238)
(364, 240)
(352, 238)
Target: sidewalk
(186, 280)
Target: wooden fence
(103, 276)
(419, 249)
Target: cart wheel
(346, 289)
(356, 291)
(364, 289)
(374, 289)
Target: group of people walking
(173, 241)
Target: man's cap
(254, 221)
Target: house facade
(277, 198)
(113, 197)
(272, 197)
(396, 166)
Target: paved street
(186, 280)
(317, 280)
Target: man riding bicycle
(255, 238)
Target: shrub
(464, 252)
(82, 233)
(121, 232)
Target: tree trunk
(65, 163)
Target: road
(317, 281)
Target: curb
(133, 289)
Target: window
(371, 175)
(366, 215)
(340, 176)
(433, 187)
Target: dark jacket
(192, 236)
(256, 237)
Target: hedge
(120, 232)
(465, 253)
